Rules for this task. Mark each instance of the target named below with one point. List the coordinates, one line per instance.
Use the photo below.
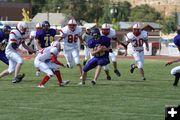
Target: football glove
(168, 63)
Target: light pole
(113, 12)
(58, 9)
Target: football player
(85, 37)
(17, 36)
(99, 46)
(32, 41)
(45, 36)
(70, 35)
(46, 61)
(137, 38)
(4, 36)
(176, 70)
(107, 31)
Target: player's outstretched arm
(171, 62)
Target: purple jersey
(101, 59)
(103, 41)
(45, 37)
(3, 43)
(177, 40)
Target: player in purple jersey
(4, 36)
(99, 46)
(45, 36)
(176, 70)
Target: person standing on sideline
(176, 70)
(137, 38)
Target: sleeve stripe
(13, 40)
(13, 33)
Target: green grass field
(124, 98)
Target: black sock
(177, 76)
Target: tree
(169, 24)
(144, 13)
(124, 10)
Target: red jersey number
(138, 43)
(72, 38)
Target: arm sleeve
(54, 60)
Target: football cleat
(81, 83)
(37, 73)
(41, 86)
(65, 82)
(132, 68)
(108, 77)
(117, 73)
(93, 82)
(18, 78)
(143, 78)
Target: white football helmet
(105, 29)
(137, 29)
(22, 27)
(56, 44)
(72, 24)
(38, 26)
(137, 26)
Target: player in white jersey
(46, 61)
(176, 70)
(70, 35)
(17, 36)
(107, 31)
(87, 53)
(32, 37)
(137, 38)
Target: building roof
(128, 25)
(55, 19)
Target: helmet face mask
(38, 26)
(45, 25)
(136, 29)
(6, 29)
(95, 33)
(72, 24)
(105, 29)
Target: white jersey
(33, 34)
(111, 34)
(45, 54)
(70, 38)
(86, 37)
(14, 36)
(137, 41)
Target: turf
(123, 98)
